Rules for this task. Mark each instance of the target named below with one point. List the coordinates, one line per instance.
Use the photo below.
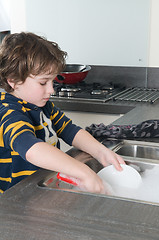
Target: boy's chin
(41, 104)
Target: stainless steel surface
(84, 68)
(30, 212)
(61, 94)
(93, 105)
(75, 68)
(96, 92)
(102, 96)
(68, 89)
(142, 156)
(68, 92)
(138, 95)
(138, 150)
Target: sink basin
(143, 156)
(138, 150)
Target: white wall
(4, 15)
(18, 15)
(154, 35)
(99, 32)
(58, 29)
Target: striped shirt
(23, 124)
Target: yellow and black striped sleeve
(17, 132)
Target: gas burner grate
(138, 95)
(87, 91)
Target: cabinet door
(83, 120)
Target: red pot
(73, 73)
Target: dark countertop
(30, 212)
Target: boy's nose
(50, 88)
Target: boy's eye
(43, 83)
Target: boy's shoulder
(18, 107)
(8, 101)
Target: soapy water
(147, 191)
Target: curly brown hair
(23, 54)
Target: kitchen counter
(110, 107)
(28, 211)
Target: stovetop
(88, 91)
(102, 92)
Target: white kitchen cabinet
(84, 119)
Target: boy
(30, 124)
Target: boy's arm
(46, 156)
(85, 142)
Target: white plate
(128, 177)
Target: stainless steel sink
(142, 156)
(138, 150)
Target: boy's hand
(85, 142)
(92, 183)
(108, 157)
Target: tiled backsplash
(128, 76)
(153, 78)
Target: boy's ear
(11, 83)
